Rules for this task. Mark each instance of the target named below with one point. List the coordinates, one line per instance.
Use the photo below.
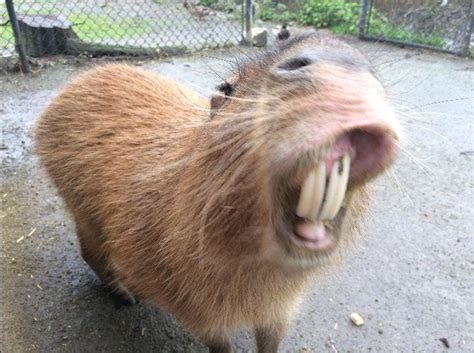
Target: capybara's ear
(284, 33)
(226, 89)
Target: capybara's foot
(120, 295)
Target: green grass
(94, 28)
(6, 36)
(381, 26)
(6, 33)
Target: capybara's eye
(217, 101)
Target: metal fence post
(248, 21)
(362, 22)
(467, 37)
(19, 45)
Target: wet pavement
(411, 278)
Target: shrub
(341, 17)
(330, 13)
(280, 13)
(380, 25)
(208, 3)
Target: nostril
(374, 148)
(293, 64)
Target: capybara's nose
(372, 148)
(353, 158)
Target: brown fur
(180, 210)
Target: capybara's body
(108, 141)
(189, 205)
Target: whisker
(395, 61)
(442, 102)
(429, 130)
(392, 174)
(415, 160)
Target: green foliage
(341, 17)
(381, 26)
(341, 14)
(222, 5)
(209, 3)
(280, 13)
(6, 35)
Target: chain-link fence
(111, 27)
(438, 24)
(156, 27)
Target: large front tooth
(306, 195)
(341, 186)
(318, 191)
(332, 186)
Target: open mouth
(313, 220)
(320, 199)
(323, 190)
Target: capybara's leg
(269, 337)
(91, 241)
(218, 344)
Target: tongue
(314, 232)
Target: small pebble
(445, 342)
(357, 319)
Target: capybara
(221, 211)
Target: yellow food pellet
(357, 319)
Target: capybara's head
(292, 139)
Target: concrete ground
(411, 279)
